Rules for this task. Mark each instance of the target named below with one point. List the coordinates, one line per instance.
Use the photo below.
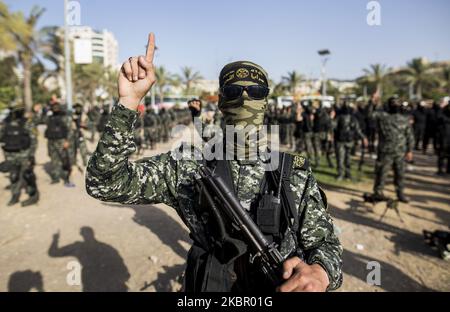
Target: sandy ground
(143, 248)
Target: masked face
(243, 111)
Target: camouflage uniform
(22, 167)
(60, 158)
(151, 128)
(395, 140)
(347, 130)
(78, 142)
(163, 179)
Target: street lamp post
(67, 59)
(324, 57)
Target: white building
(94, 46)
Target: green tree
(8, 81)
(376, 74)
(446, 79)
(292, 80)
(188, 77)
(19, 35)
(164, 79)
(418, 73)
(87, 79)
(109, 82)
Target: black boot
(402, 198)
(32, 200)
(14, 200)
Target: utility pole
(324, 57)
(67, 59)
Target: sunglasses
(233, 92)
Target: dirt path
(144, 248)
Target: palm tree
(109, 82)
(446, 79)
(277, 89)
(87, 79)
(164, 79)
(51, 46)
(189, 77)
(418, 74)
(292, 80)
(377, 74)
(19, 35)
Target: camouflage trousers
(343, 158)
(92, 129)
(22, 174)
(59, 160)
(290, 134)
(383, 165)
(318, 138)
(309, 146)
(443, 157)
(150, 136)
(78, 144)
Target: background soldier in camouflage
(77, 140)
(308, 135)
(169, 180)
(150, 127)
(395, 145)
(19, 138)
(93, 118)
(58, 133)
(347, 130)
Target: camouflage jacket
(163, 179)
(394, 133)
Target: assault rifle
(223, 201)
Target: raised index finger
(150, 48)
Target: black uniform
(420, 121)
(443, 129)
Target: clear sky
(280, 35)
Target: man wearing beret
(312, 254)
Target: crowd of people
(389, 133)
(66, 133)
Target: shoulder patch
(299, 162)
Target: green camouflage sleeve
(112, 177)
(409, 138)
(317, 237)
(31, 127)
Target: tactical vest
(224, 265)
(56, 128)
(345, 130)
(149, 121)
(16, 137)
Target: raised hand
(137, 76)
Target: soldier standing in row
(395, 145)
(93, 116)
(151, 125)
(311, 252)
(19, 138)
(347, 130)
(77, 141)
(58, 134)
(320, 129)
(420, 122)
(308, 135)
(443, 127)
